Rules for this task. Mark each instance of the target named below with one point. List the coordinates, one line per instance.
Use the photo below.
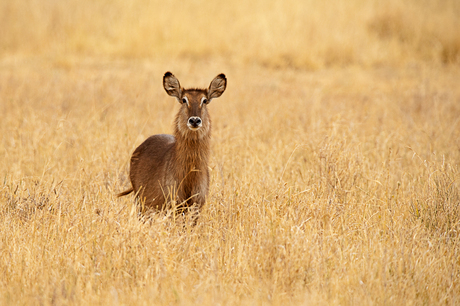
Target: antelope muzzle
(194, 123)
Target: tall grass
(335, 153)
(300, 34)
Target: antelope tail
(125, 192)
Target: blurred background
(300, 34)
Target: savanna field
(335, 152)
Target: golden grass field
(335, 152)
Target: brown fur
(168, 169)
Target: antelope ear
(171, 85)
(217, 87)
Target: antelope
(167, 169)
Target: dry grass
(335, 164)
(291, 33)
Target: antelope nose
(194, 121)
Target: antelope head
(193, 116)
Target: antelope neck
(192, 153)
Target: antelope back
(151, 165)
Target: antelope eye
(205, 101)
(184, 100)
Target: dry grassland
(335, 152)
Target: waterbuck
(172, 170)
